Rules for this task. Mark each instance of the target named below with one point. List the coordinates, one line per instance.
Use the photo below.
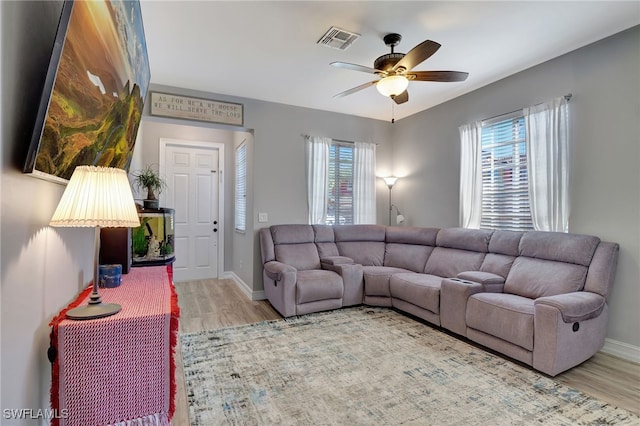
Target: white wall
(604, 79)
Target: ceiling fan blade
(355, 67)
(444, 76)
(401, 98)
(417, 55)
(355, 89)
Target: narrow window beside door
(241, 188)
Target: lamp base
(92, 311)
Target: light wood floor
(211, 304)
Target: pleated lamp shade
(97, 196)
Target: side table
(119, 370)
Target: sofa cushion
(505, 242)
(317, 285)
(366, 253)
(266, 245)
(359, 233)
(504, 246)
(569, 248)
(407, 256)
(325, 240)
(292, 234)
(376, 279)
(300, 256)
(422, 290)
(409, 235)
(327, 250)
(449, 262)
(363, 243)
(602, 269)
(535, 278)
(506, 316)
(409, 248)
(499, 264)
(465, 239)
(323, 233)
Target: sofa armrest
(352, 278)
(569, 329)
(454, 294)
(491, 283)
(275, 269)
(336, 260)
(576, 306)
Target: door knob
(215, 229)
(215, 222)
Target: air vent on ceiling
(337, 38)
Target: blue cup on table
(109, 276)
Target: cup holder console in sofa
(537, 297)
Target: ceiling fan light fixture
(393, 85)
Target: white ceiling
(268, 50)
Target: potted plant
(150, 180)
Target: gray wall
(277, 154)
(604, 79)
(279, 187)
(42, 268)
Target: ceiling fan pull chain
(393, 112)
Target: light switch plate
(263, 217)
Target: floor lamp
(390, 181)
(96, 197)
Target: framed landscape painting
(94, 92)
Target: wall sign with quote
(189, 108)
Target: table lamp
(97, 197)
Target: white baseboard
(622, 350)
(248, 291)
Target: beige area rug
(369, 366)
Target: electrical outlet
(263, 217)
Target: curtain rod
(335, 140)
(567, 97)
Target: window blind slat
(241, 188)
(340, 205)
(505, 194)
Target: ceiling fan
(395, 70)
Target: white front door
(193, 179)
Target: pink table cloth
(119, 370)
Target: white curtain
(470, 175)
(547, 127)
(364, 183)
(317, 177)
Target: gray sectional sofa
(537, 297)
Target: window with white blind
(241, 188)
(340, 189)
(505, 178)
